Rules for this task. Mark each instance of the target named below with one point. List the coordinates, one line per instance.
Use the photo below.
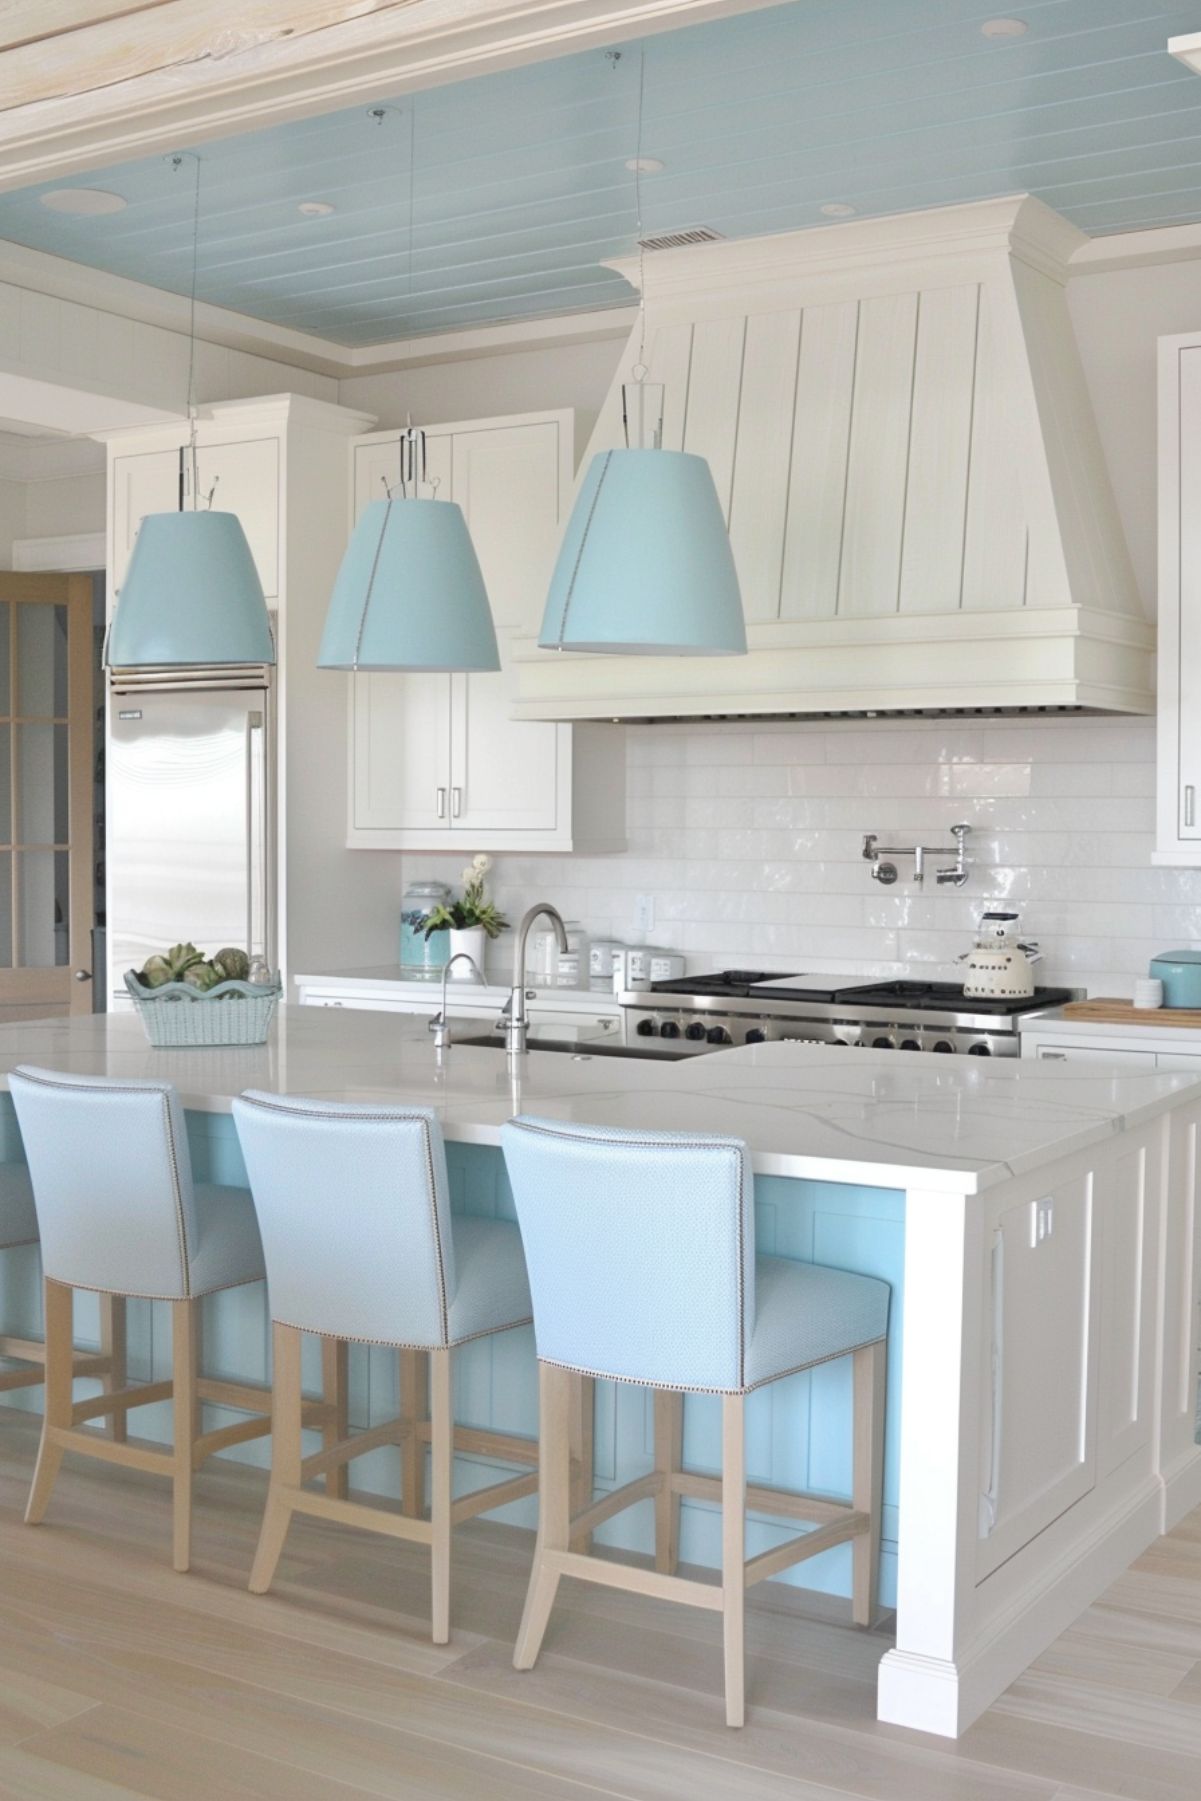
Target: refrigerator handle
(256, 838)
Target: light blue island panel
(798, 1430)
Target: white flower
(468, 874)
(483, 862)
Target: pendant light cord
(178, 161)
(640, 366)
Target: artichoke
(202, 976)
(235, 963)
(181, 958)
(155, 972)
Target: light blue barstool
(18, 1228)
(360, 1244)
(641, 1255)
(119, 1212)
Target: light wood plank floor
(119, 1678)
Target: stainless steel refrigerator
(191, 816)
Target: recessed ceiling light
(315, 209)
(643, 165)
(1004, 28)
(84, 203)
(837, 209)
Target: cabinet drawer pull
(1190, 804)
(456, 802)
(441, 803)
(1054, 1056)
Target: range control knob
(979, 1050)
(718, 1035)
(882, 1044)
(910, 1044)
(646, 1028)
(669, 1029)
(755, 1036)
(944, 1044)
(695, 1030)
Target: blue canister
(420, 955)
(1180, 973)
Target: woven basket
(178, 1015)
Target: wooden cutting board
(1103, 1012)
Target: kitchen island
(1037, 1226)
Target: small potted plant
(471, 921)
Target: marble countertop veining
(867, 1117)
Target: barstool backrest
(112, 1181)
(640, 1248)
(354, 1211)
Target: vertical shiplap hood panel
(897, 421)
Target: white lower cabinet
(437, 760)
(1145, 1050)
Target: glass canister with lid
(420, 955)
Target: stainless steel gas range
(704, 1013)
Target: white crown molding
(126, 299)
(741, 268)
(209, 68)
(1187, 49)
(25, 459)
(41, 273)
(1137, 249)
(74, 550)
(593, 327)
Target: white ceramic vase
(473, 940)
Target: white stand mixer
(1000, 965)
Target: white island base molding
(1051, 1343)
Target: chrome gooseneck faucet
(514, 1018)
(440, 1025)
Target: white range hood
(897, 420)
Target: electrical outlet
(1042, 1221)
(644, 912)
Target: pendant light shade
(409, 594)
(191, 595)
(645, 567)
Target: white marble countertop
(387, 979)
(868, 1117)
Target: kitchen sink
(572, 1047)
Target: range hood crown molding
(939, 243)
(901, 435)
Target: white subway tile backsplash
(750, 838)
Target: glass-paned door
(45, 795)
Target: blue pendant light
(645, 566)
(409, 593)
(191, 595)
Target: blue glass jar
(420, 955)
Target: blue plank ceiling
(498, 198)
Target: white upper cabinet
(436, 758)
(1178, 782)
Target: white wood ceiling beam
(119, 82)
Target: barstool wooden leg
(583, 1451)
(442, 1460)
(669, 1453)
(285, 1455)
(335, 1388)
(733, 1552)
(414, 1401)
(59, 1335)
(113, 1346)
(867, 1496)
(185, 1404)
(554, 1509)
